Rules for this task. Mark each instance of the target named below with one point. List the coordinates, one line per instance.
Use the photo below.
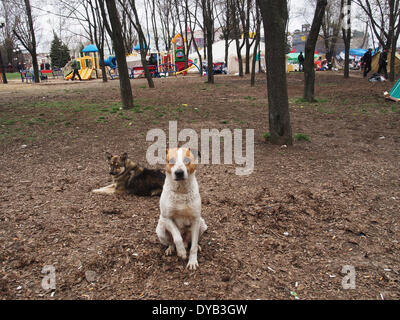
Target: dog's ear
(108, 156)
(124, 157)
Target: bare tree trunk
(193, 40)
(255, 50)
(239, 55)
(394, 8)
(103, 67)
(346, 13)
(154, 25)
(144, 47)
(226, 30)
(115, 31)
(205, 41)
(248, 47)
(208, 26)
(33, 41)
(275, 15)
(2, 69)
(98, 35)
(254, 61)
(247, 36)
(237, 15)
(309, 72)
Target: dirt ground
(287, 230)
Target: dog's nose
(112, 173)
(179, 174)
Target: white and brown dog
(180, 204)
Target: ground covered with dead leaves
(285, 231)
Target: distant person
(20, 67)
(75, 67)
(366, 61)
(301, 59)
(153, 59)
(318, 64)
(383, 61)
(330, 64)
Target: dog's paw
(193, 264)
(170, 250)
(182, 253)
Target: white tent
(233, 62)
(133, 60)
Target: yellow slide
(183, 71)
(85, 74)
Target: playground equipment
(164, 64)
(394, 94)
(54, 73)
(86, 68)
(191, 65)
(160, 64)
(111, 63)
(88, 64)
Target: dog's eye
(186, 161)
(171, 161)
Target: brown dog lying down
(129, 177)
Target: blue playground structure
(111, 62)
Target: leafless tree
(225, 21)
(113, 26)
(131, 12)
(331, 25)
(256, 46)
(238, 15)
(154, 24)
(129, 33)
(309, 72)
(345, 6)
(2, 69)
(87, 14)
(167, 21)
(384, 17)
(24, 30)
(9, 13)
(208, 20)
(193, 24)
(274, 14)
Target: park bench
(152, 69)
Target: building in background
(299, 38)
